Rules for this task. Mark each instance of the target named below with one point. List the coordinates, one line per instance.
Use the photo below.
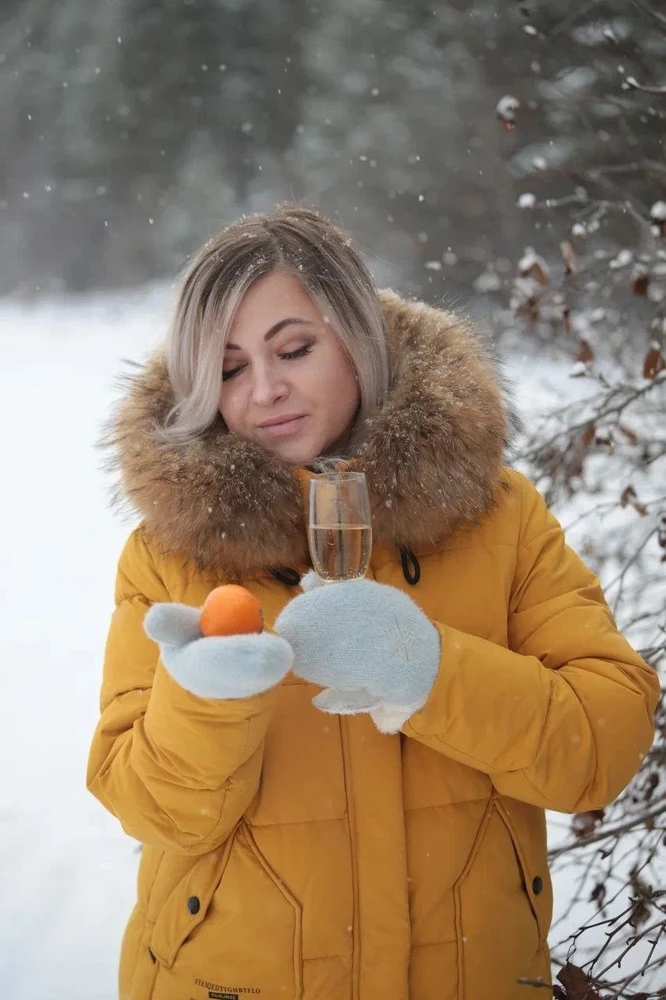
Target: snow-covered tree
(593, 290)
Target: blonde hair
(292, 239)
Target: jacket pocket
(230, 926)
(498, 927)
(526, 826)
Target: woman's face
(288, 384)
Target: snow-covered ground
(67, 868)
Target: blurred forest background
(134, 129)
(503, 155)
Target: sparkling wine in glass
(339, 528)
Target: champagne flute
(339, 528)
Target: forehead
(273, 298)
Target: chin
(295, 452)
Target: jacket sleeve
(563, 717)
(177, 770)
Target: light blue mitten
(368, 644)
(234, 666)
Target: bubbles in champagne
(340, 551)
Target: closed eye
(301, 352)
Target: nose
(267, 386)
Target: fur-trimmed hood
(432, 456)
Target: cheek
(229, 408)
(341, 388)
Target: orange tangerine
(230, 610)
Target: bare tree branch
(646, 9)
(633, 84)
(640, 819)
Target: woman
(387, 850)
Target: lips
(282, 426)
(283, 419)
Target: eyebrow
(275, 329)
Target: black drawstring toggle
(285, 574)
(411, 568)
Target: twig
(645, 8)
(622, 168)
(608, 505)
(611, 831)
(632, 942)
(571, 18)
(620, 578)
(652, 964)
(633, 84)
(609, 409)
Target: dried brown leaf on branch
(598, 895)
(585, 353)
(569, 257)
(628, 433)
(576, 984)
(643, 898)
(566, 318)
(640, 282)
(654, 362)
(629, 497)
(640, 914)
(533, 266)
(585, 823)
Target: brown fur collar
(432, 456)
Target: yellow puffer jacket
(291, 854)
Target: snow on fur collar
(432, 456)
